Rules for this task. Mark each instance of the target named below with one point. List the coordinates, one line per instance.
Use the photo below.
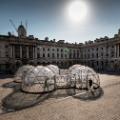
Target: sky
(49, 18)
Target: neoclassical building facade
(101, 54)
(16, 51)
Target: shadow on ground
(19, 100)
(14, 85)
(98, 93)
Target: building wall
(63, 56)
(101, 54)
(4, 53)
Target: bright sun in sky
(77, 11)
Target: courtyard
(61, 107)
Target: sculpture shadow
(62, 93)
(88, 95)
(14, 85)
(19, 100)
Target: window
(38, 55)
(53, 55)
(107, 55)
(57, 55)
(101, 54)
(61, 55)
(88, 56)
(43, 49)
(74, 55)
(48, 55)
(92, 55)
(70, 55)
(112, 54)
(97, 55)
(43, 55)
(38, 49)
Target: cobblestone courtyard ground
(107, 107)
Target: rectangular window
(38, 55)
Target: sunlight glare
(77, 11)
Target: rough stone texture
(105, 108)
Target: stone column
(109, 52)
(115, 52)
(118, 51)
(27, 51)
(20, 51)
(13, 51)
(35, 51)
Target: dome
(22, 31)
(82, 75)
(37, 80)
(54, 69)
(21, 72)
(74, 66)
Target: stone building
(16, 51)
(101, 54)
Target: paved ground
(107, 107)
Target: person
(91, 87)
(46, 84)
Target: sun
(77, 11)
